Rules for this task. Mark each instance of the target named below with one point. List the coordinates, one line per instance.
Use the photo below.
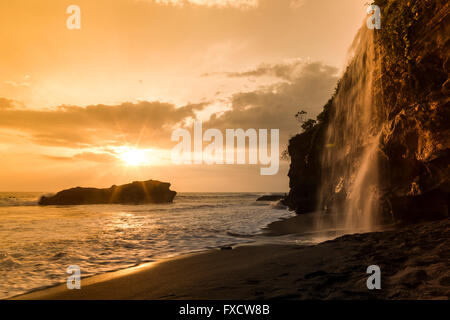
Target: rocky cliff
(387, 126)
(138, 192)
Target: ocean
(37, 244)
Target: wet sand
(414, 264)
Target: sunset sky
(97, 106)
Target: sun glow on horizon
(134, 157)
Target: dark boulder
(137, 192)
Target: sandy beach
(414, 262)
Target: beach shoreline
(39, 243)
(278, 228)
(414, 262)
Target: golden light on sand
(134, 157)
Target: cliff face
(137, 192)
(415, 83)
(305, 169)
(386, 129)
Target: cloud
(9, 104)
(237, 4)
(301, 86)
(23, 83)
(87, 156)
(307, 86)
(290, 71)
(17, 84)
(146, 123)
(6, 103)
(296, 4)
(287, 71)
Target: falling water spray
(348, 198)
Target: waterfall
(348, 194)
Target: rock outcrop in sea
(271, 197)
(137, 192)
(382, 142)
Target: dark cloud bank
(300, 85)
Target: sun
(133, 157)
